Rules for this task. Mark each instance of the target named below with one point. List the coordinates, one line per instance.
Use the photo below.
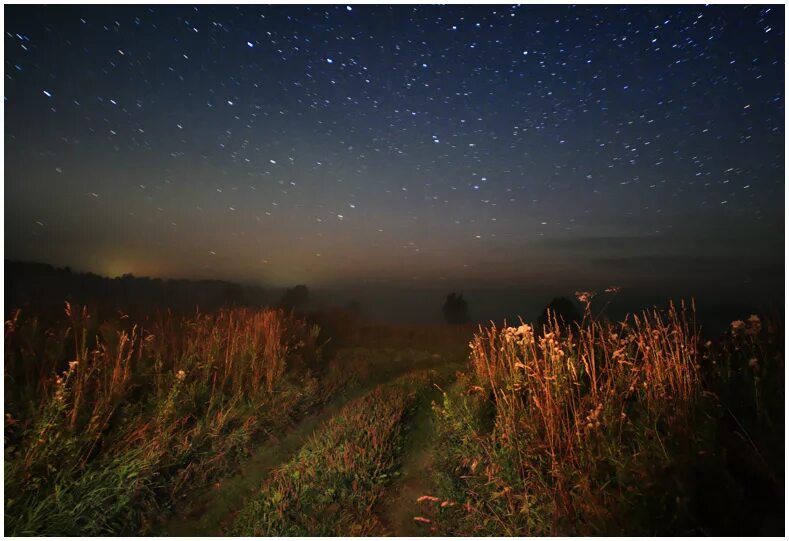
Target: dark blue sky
(514, 153)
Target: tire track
(207, 512)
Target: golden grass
(184, 394)
(556, 426)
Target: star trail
(515, 153)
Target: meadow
(260, 422)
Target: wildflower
(72, 365)
(526, 333)
(737, 326)
(585, 296)
(510, 333)
(754, 325)
(180, 375)
(753, 363)
(548, 342)
(708, 343)
(60, 390)
(593, 419)
(524, 330)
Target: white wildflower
(585, 296)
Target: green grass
(333, 484)
(105, 499)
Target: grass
(332, 485)
(108, 423)
(632, 428)
(638, 427)
(207, 513)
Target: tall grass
(107, 423)
(601, 428)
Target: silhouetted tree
(455, 309)
(295, 298)
(563, 310)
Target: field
(261, 422)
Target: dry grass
(578, 430)
(181, 398)
(635, 427)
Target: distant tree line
(43, 288)
(562, 309)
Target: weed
(108, 423)
(606, 428)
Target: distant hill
(43, 288)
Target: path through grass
(333, 484)
(400, 506)
(209, 511)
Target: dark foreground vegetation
(641, 427)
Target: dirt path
(208, 512)
(398, 510)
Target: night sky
(393, 154)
